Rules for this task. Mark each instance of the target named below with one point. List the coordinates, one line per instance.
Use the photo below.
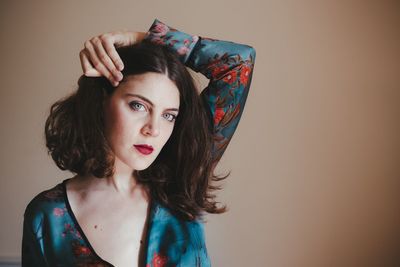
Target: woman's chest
(116, 231)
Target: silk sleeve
(31, 246)
(229, 68)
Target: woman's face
(139, 118)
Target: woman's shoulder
(184, 238)
(165, 220)
(46, 201)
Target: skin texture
(99, 57)
(131, 120)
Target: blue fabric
(51, 233)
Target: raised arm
(228, 66)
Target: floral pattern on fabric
(158, 260)
(228, 66)
(51, 234)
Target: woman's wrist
(179, 41)
(138, 37)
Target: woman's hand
(100, 58)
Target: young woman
(143, 144)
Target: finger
(87, 68)
(112, 52)
(97, 63)
(105, 59)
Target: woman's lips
(144, 149)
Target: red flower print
(244, 75)
(68, 226)
(186, 42)
(80, 250)
(160, 29)
(159, 260)
(183, 50)
(219, 114)
(218, 70)
(69, 229)
(58, 212)
(230, 77)
(78, 235)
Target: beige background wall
(315, 161)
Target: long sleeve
(173, 242)
(51, 234)
(31, 252)
(228, 66)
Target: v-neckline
(148, 223)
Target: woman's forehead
(156, 87)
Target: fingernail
(120, 66)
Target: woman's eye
(137, 106)
(169, 117)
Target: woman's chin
(141, 166)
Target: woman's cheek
(170, 129)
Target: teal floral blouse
(51, 233)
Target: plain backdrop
(315, 161)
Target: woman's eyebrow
(148, 101)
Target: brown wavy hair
(181, 177)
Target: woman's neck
(120, 185)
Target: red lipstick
(144, 149)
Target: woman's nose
(152, 126)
